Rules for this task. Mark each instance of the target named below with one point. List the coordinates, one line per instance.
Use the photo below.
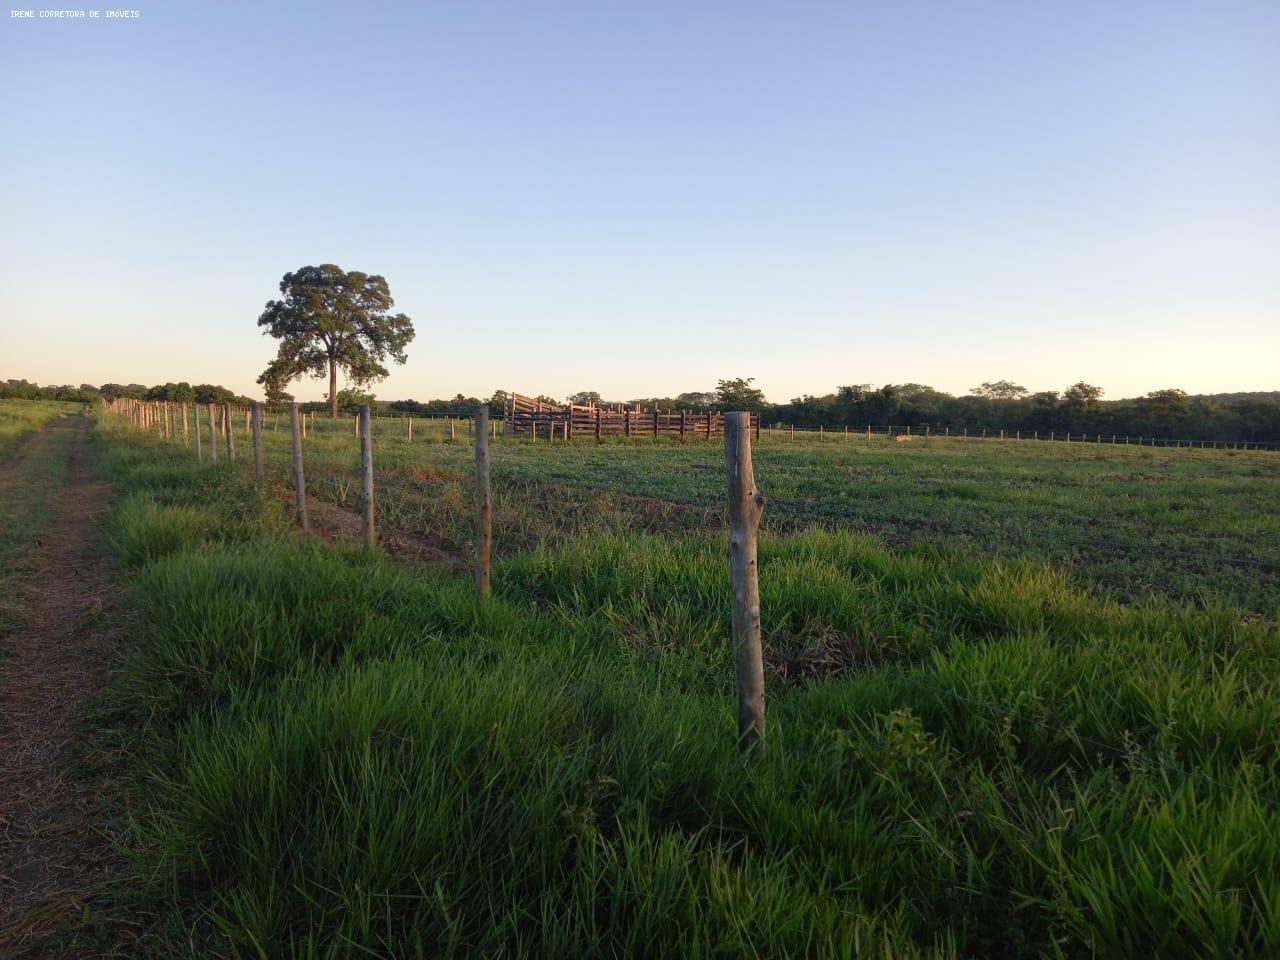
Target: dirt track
(53, 853)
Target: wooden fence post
(746, 506)
(255, 414)
(484, 503)
(299, 481)
(366, 475)
(213, 437)
(185, 432)
(196, 418)
(231, 439)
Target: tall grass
(345, 758)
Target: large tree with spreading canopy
(328, 319)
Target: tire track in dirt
(54, 853)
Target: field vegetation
(984, 739)
(1125, 521)
(27, 496)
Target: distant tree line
(25, 390)
(88, 393)
(1169, 413)
(991, 406)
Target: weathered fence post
(196, 418)
(255, 413)
(746, 506)
(366, 476)
(411, 429)
(213, 437)
(484, 503)
(185, 432)
(299, 481)
(231, 438)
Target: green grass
(19, 419)
(967, 755)
(1125, 522)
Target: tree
(587, 398)
(212, 393)
(350, 400)
(696, 400)
(273, 389)
(1000, 390)
(1162, 408)
(739, 395)
(329, 319)
(1081, 395)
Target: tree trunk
(333, 388)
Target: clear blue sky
(642, 197)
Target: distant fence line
(576, 422)
(905, 432)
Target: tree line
(1169, 413)
(993, 406)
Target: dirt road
(53, 851)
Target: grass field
(983, 739)
(1126, 522)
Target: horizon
(660, 196)
(607, 399)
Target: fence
(166, 421)
(746, 505)
(893, 432)
(527, 415)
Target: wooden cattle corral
(532, 417)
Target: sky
(641, 198)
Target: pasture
(1126, 522)
(1023, 701)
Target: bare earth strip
(53, 853)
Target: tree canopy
(1000, 390)
(738, 394)
(328, 320)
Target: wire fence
(908, 432)
(163, 423)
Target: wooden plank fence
(534, 418)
